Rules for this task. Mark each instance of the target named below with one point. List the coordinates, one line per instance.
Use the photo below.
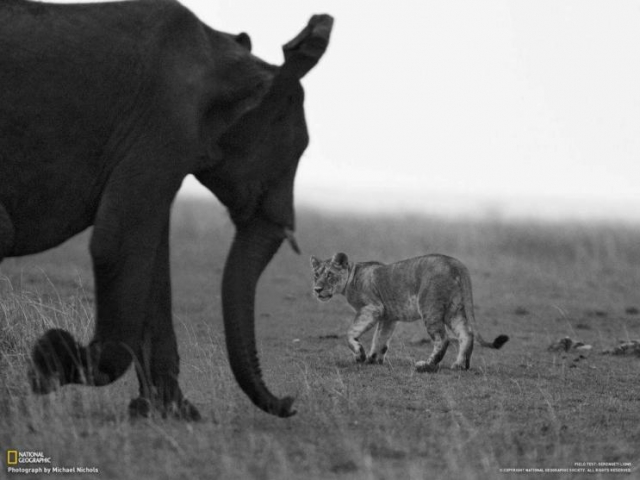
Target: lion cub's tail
(467, 298)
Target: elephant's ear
(303, 52)
(244, 39)
(266, 103)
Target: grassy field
(521, 407)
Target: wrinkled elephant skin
(104, 109)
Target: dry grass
(521, 407)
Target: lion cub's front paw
(361, 356)
(375, 359)
(460, 366)
(423, 366)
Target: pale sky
(503, 107)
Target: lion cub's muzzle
(322, 295)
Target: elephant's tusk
(288, 234)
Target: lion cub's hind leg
(460, 326)
(433, 318)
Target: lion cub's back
(404, 282)
(415, 270)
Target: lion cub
(434, 288)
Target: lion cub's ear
(340, 260)
(315, 263)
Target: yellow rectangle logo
(12, 457)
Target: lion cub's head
(329, 276)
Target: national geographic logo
(17, 457)
(37, 463)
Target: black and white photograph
(320, 239)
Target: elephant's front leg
(123, 257)
(7, 233)
(130, 253)
(363, 321)
(157, 360)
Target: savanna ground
(520, 407)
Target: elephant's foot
(181, 409)
(42, 383)
(162, 398)
(56, 359)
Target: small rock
(562, 345)
(624, 348)
(565, 344)
(521, 311)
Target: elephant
(104, 109)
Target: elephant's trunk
(253, 247)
